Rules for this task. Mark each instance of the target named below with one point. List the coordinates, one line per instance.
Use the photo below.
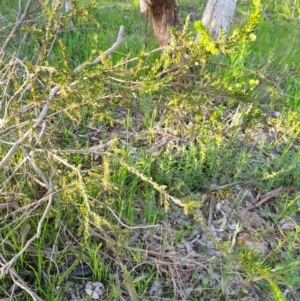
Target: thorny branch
(54, 91)
(15, 147)
(7, 266)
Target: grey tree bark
(217, 17)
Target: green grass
(150, 168)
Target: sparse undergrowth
(161, 177)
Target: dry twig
(271, 194)
(8, 265)
(106, 53)
(16, 145)
(21, 283)
(16, 27)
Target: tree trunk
(164, 13)
(217, 17)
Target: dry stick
(36, 168)
(7, 180)
(104, 54)
(211, 210)
(7, 266)
(8, 205)
(271, 194)
(20, 10)
(12, 298)
(160, 49)
(54, 91)
(129, 227)
(36, 124)
(26, 34)
(21, 283)
(16, 27)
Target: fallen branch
(271, 194)
(128, 227)
(16, 27)
(106, 53)
(21, 284)
(7, 265)
(36, 168)
(55, 90)
(17, 144)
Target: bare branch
(54, 91)
(269, 195)
(15, 147)
(35, 167)
(16, 27)
(104, 54)
(128, 227)
(21, 283)
(7, 266)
